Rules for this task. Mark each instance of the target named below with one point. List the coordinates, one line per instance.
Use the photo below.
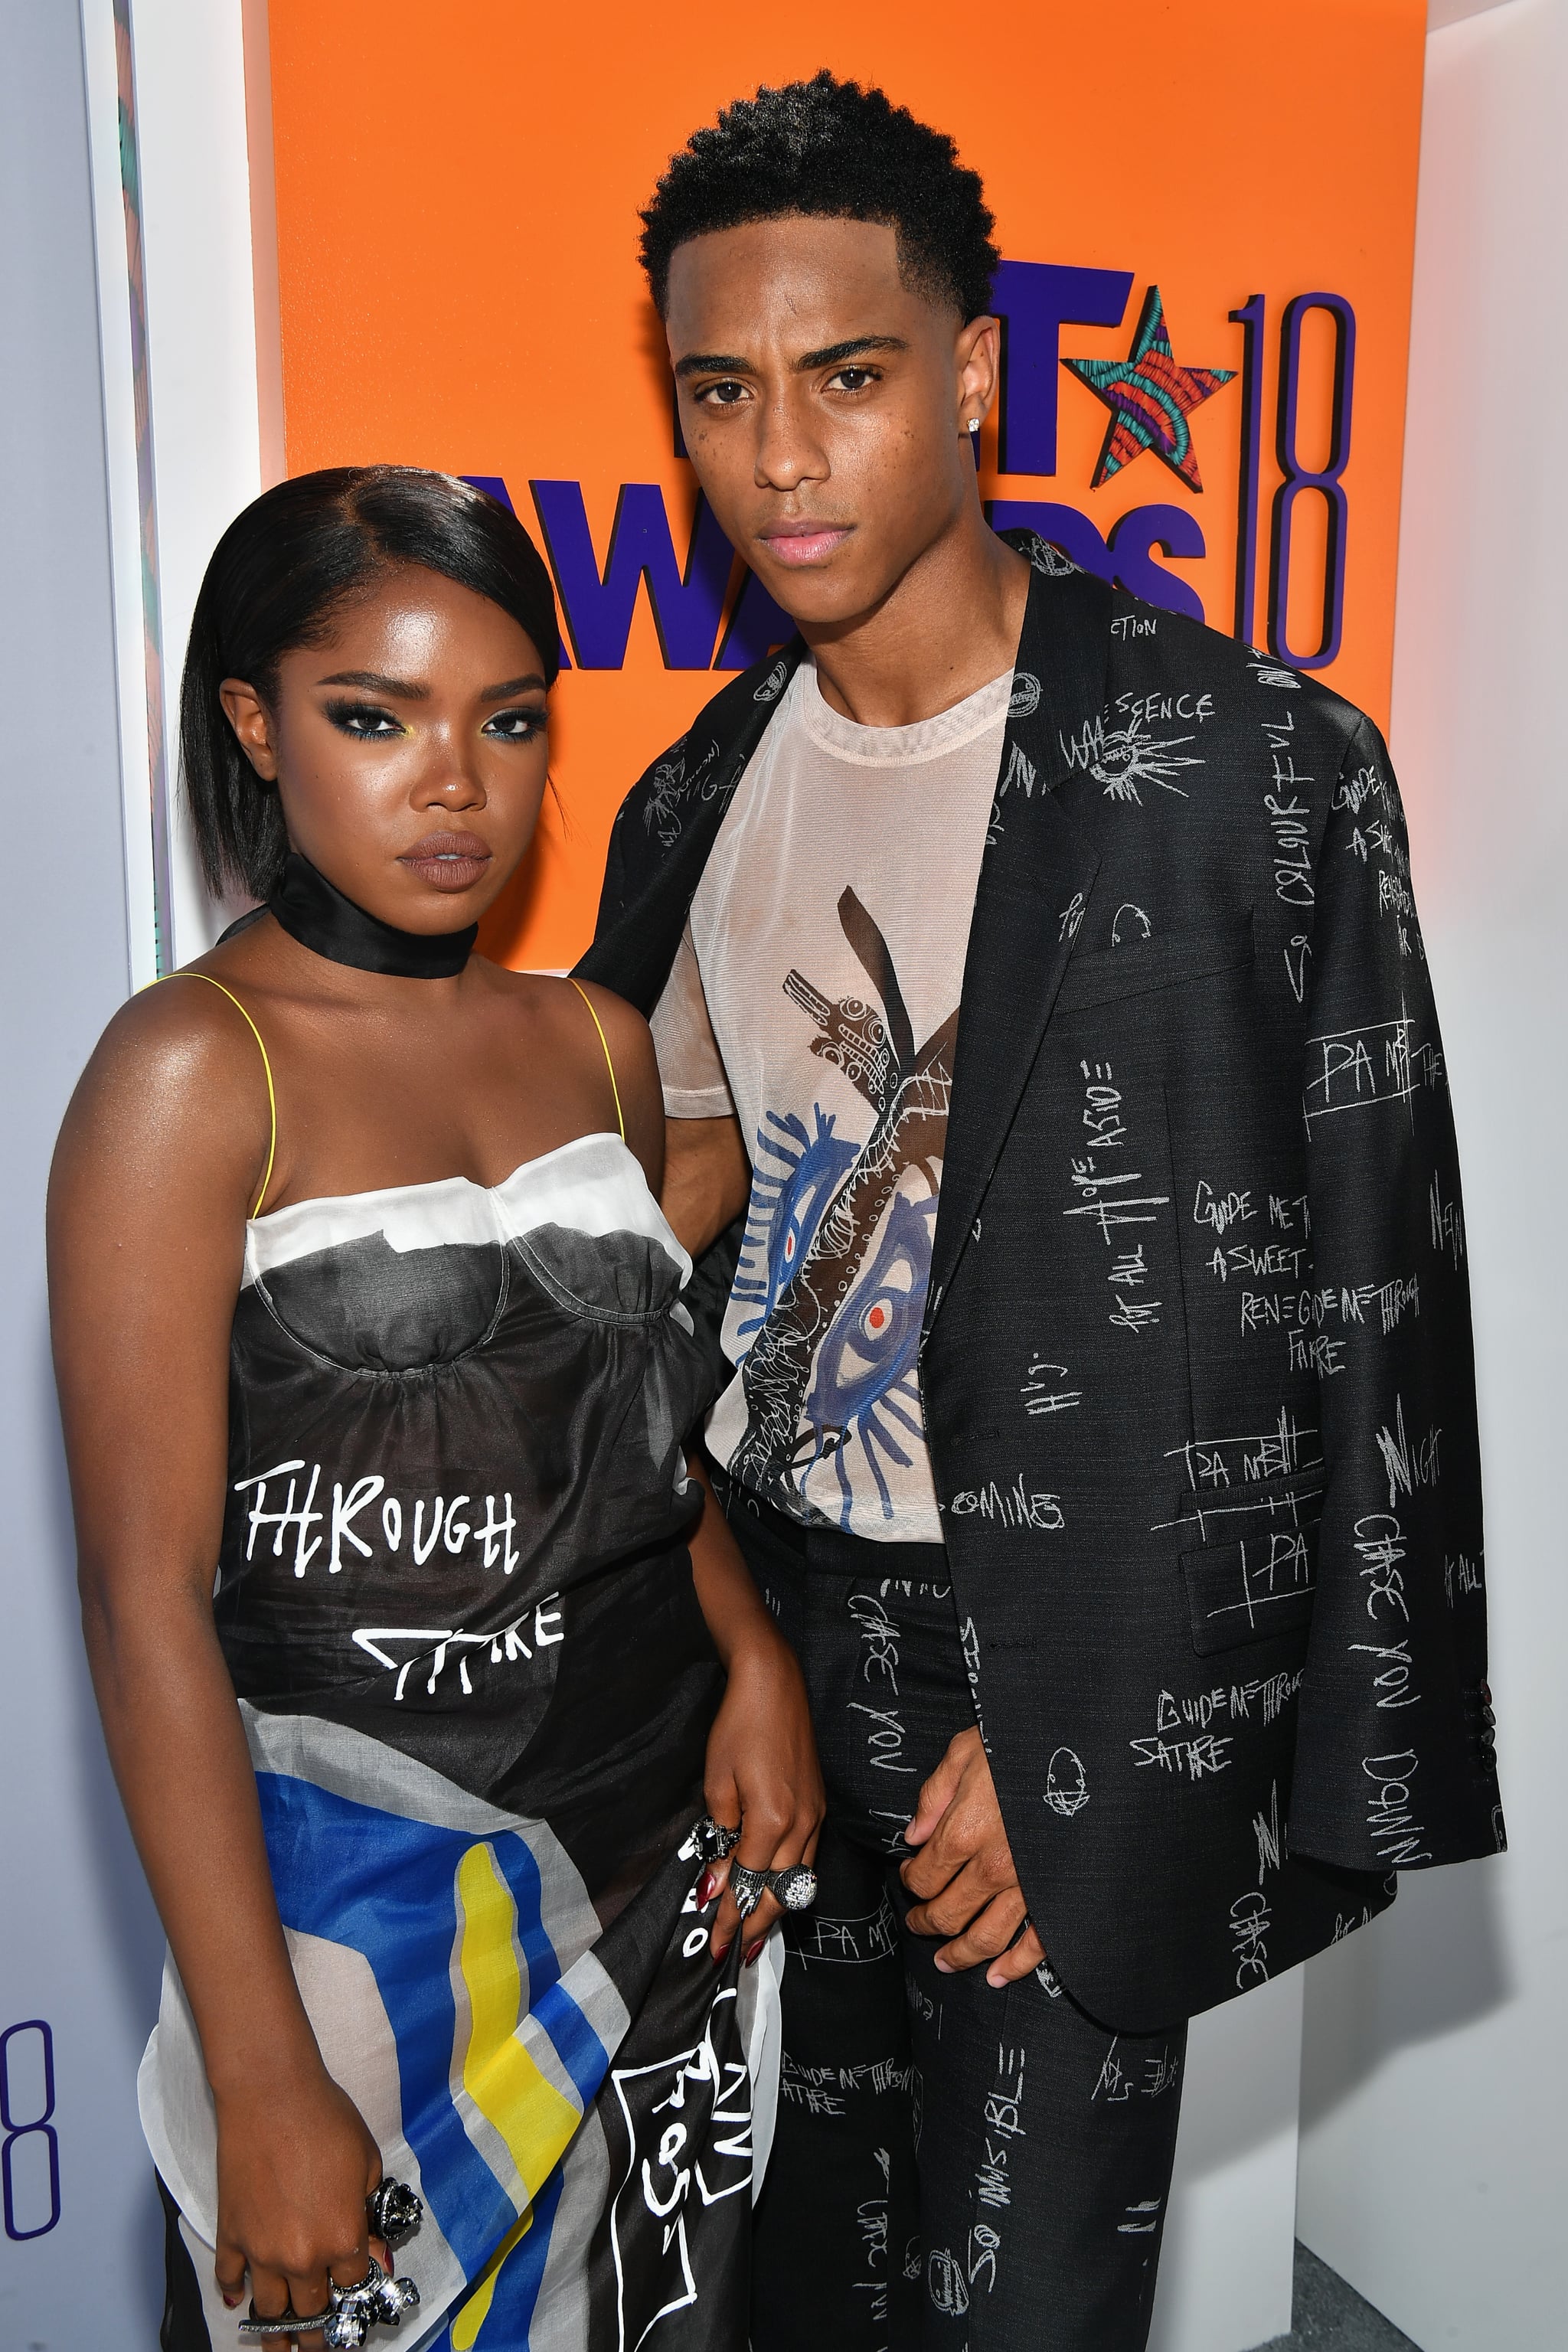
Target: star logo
(1150, 399)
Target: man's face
(824, 406)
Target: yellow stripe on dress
(468, 2322)
(504, 2082)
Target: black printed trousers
(956, 2168)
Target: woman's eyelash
(363, 720)
(516, 726)
(366, 722)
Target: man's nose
(788, 450)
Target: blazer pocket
(1100, 975)
(1252, 1590)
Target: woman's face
(408, 748)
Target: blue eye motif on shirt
(866, 1389)
(798, 1171)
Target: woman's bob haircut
(279, 575)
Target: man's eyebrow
(712, 363)
(372, 681)
(834, 354)
(831, 355)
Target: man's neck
(950, 626)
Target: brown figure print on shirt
(859, 1335)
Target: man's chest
(831, 928)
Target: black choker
(315, 912)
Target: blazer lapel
(1035, 882)
(678, 807)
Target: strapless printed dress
(456, 1600)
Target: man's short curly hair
(837, 152)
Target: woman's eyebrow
(372, 681)
(402, 690)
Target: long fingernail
(719, 1955)
(754, 1950)
(707, 1887)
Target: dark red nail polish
(706, 1890)
(719, 1955)
(230, 2301)
(753, 1949)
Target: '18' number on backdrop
(29, 2151)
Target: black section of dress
(511, 1412)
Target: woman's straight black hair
(280, 574)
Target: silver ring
(394, 2212)
(352, 2311)
(748, 1886)
(795, 1886)
(714, 1839)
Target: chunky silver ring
(352, 2311)
(714, 1839)
(796, 1887)
(394, 2212)
(748, 1886)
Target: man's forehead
(809, 279)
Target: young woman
(421, 1652)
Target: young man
(1039, 972)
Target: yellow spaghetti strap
(620, 1115)
(271, 1093)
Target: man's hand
(964, 1875)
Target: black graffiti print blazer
(1197, 1367)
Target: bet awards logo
(1151, 396)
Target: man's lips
(449, 861)
(804, 543)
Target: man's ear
(978, 358)
(247, 715)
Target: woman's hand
(763, 1775)
(295, 2165)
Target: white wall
(78, 1946)
(1434, 2157)
(216, 417)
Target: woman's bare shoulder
(177, 1072)
(186, 1027)
(557, 999)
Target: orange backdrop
(457, 200)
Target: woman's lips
(449, 861)
(805, 543)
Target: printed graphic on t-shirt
(836, 1260)
(813, 994)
